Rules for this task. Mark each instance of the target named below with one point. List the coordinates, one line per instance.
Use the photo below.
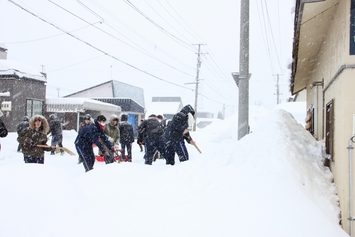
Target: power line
(140, 50)
(92, 46)
(181, 42)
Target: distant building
(166, 106)
(73, 110)
(129, 98)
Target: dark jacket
(126, 130)
(92, 134)
(178, 124)
(3, 130)
(150, 128)
(55, 126)
(29, 136)
(25, 123)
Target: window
(329, 128)
(33, 107)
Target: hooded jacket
(112, 131)
(178, 124)
(29, 136)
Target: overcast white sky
(152, 45)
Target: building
(23, 93)
(129, 98)
(72, 111)
(323, 68)
(165, 106)
(26, 89)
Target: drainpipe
(351, 218)
(340, 70)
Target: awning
(79, 105)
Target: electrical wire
(92, 46)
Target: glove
(113, 149)
(103, 151)
(110, 139)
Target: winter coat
(55, 126)
(126, 132)
(141, 136)
(3, 130)
(29, 136)
(23, 124)
(92, 134)
(150, 128)
(178, 124)
(112, 132)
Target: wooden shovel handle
(198, 148)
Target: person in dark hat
(89, 135)
(176, 133)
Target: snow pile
(270, 183)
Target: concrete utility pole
(243, 108)
(197, 81)
(278, 90)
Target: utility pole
(277, 89)
(197, 81)
(243, 108)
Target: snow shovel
(57, 149)
(198, 148)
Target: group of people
(153, 133)
(107, 137)
(166, 139)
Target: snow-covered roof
(79, 105)
(2, 46)
(9, 67)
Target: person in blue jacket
(175, 135)
(89, 135)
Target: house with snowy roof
(23, 93)
(25, 90)
(128, 97)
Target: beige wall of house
(339, 85)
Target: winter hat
(160, 117)
(124, 117)
(101, 118)
(152, 116)
(87, 117)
